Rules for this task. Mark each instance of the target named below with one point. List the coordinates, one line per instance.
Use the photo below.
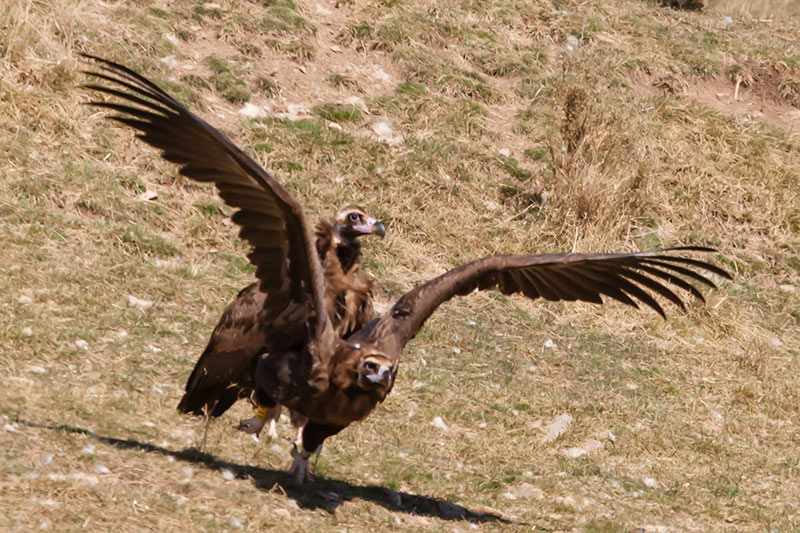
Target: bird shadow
(322, 493)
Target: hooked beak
(383, 376)
(371, 227)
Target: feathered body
(224, 373)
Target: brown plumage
(336, 381)
(224, 372)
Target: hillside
(469, 128)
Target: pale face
(375, 372)
(352, 222)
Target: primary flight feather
(308, 367)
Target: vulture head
(363, 367)
(352, 222)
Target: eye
(354, 217)
(370, 366)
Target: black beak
(379, 229)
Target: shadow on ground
(327, 494)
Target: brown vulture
(224, 372)
(336, 381)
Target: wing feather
(630, 278)
(271, 219)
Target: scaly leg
(254, 425)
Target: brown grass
(513, 141)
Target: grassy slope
(703, 408)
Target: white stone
(170, 61)
(27, 331)
(787, 288)
(456, 350)
(144, 305)
(505, 152)
(251, 110)
(650, 482)
(88, 449)
(550, 344)
(234, 522)
(24, 299)
(101, 469)
(172, 38)
(558, 427)
(81, 344)
(437, 422)
(36, 369)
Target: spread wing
(271, 219)
(224, 372)
(633, 279)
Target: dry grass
(703, 408)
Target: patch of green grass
(338, 112)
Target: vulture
(224, 372)
(334, 380)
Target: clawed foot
(299, 468)
(253, 426)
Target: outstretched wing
(271, 219)
(632, 279)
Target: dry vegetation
(517, 127)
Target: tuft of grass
(338, 112)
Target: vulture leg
(313, 436)
(273, 415)
(266, 409)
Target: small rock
(612, 437)
(456, 350)
(775, 342)
(14, 268)
(550, 344)
(181, 499)
(509, 496)
(505, 152)
(336, 48)
(471, 323)
(381, 75)
(650, 482)
(144, 305)
(234, 522)
(81, 344)
(334, 126)
(531, 368)
(171, 38)
(101, 469)
(253, 111)
(382, 129)
(24, 299)
(88, 449)
(572, 43)
(699, 340)
(527, 492)
(27, 331)
(558, 426)
(36, 369)
(717, 416)
(439, 423)
(787, 288)
(727, 20)
(170, 61)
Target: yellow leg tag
(261, 413)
